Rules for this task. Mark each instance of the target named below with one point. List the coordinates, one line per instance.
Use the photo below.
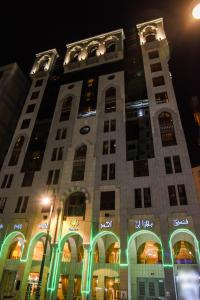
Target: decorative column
(85, 272)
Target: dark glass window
(9, 182)
(92, 51)
(107, 201)
(106, 126)
(66, 109)
(150, 38)
(50, 177)
(2, 204)
(54, 154)
(61, 133)
(25, 204)
(147, 197)
(87, 105)
(157, 81)
(182, 194)
(112, 125)
(111, 47)
(79, 163)
(56, 176)
(3, 185)
(75, 205)
(19, 202)
(16, 151)
(112, 171)
(74, 56)
(85, 130)
(161, 97)
(28, 179)
(35, 95)
(105, 147)
(112, 146)
(60, 153)
(177, 164)
(25, 123)
(110, 100)
(156, 67)
(167, 129)
(168, 165)
(39, 82)
(153, 54)
(57, 154)
(104, 171)
(141, 168)
(138, 198)
(30, 108)
(172, 195)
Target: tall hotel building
(100, 135)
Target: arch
(78, 170)
(167, 130)
(15, 249)
(66, 108)
(110, 99)
(74, 53)
(102, 234)
(66, 237)
(43, 63)
(7, 242)
(16, 150)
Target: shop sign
(43, 226)
(73, 225)
(1, 226)
(139, 224)
(17, 226)
(107, 224)
(178, 222)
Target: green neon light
(123, 265)
(168, 266)
(9, 238)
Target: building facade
(13, 91)
(100, 136)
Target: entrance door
(112, 288)
(7, 283)
(32, 285)
(150, 289)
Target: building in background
(195, 106)
(13, 91)
(100, 135)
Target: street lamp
(46, 201)
(196, 9)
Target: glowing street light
(196, 11)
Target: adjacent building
(100, 135)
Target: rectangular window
(39, 82)
(161, 97)
(56, 176)
(28, 179)
(53, 177)
(157, 81)
(50, 177)
(25, 123)
(30, 108)
(19, 202)
(112, 171)
(168, 165)
(172, 195)
(112, 146)
(112, 125)
(2, 204)
(156, 67)
(177, 164)
(60, 153)
(9, 182)
(25, 204)
(107, 201)
(147, 197)
(141, 168)
(104, 172)
(35, 95)
(61, 133)
(106, 126)
(138, 198)
(3, 185)
(153, 54)
(105, 147)
(57, 154)
(54, 154)
(182, 194)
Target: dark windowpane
(39, 82)
(4, 181)
(141, 168)
(56, 176)
(112, 146)
(60, 153)
(161, 97)
(28, 179)
(64, 133)
(105, 147)
(106, 126)
(107, 201)
(25, 123)
(150, 38)
(30, 108)
(66, 109)
(79, 163)
(167, 129)
(177, 164)
(153, 54)
(16, 151)
(110, 100)
(112, 171)
(9, 181)
(147, 197)
(19, 202)
(35, 95)
(75, 205)
(50, 177)
(172, 195)
(113, 125)
(54, 154)
(25, 203)
(2, 204)
(58, 134)
(110, 47)
(168, 165)
(104, 170)
(157, 81)
(138, 198)
(156, 67)
(182, 194)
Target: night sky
(33, 27)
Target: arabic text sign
(17, 226)
(43, 226)
(107, 224)
(178, 222)
(143, 224)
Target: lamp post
(46, 200)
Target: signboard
(178, 222)
(143, 224)
(74, 223)
(17, 226)
(107, 224)
(43, 226)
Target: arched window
(38, 250)
(150, 38)
(184, 253)
(111, 47)
(110, 100)
(15, 250)
(66, 257)
(66, 109)
(149, 253)
(16, 151)
(75, 205)
(92, 51)
(74, 57)
(112, 253)
(79, 163)
(167, 129)
(43, 62)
